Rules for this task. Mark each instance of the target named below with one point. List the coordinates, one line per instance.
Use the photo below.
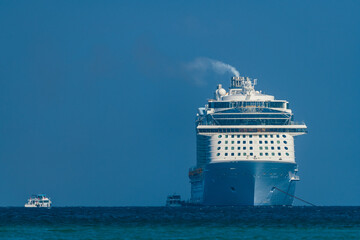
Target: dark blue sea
(181, 223)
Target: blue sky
(97, 106)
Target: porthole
(218, 154)
(244, 154)
(266, 154)
(272, 142)
(261, 154)
(284, 136)
(244, 148)
(220, 136)
(239, 148)
(250, 136)
(272, 148)
(285, 142)
(232, 136)
(251, 148)
(279, 154)
(226, 142)
(218, 148)
(250, 142)
(278, 142)
(277, 136)
(260, 142)
(287, 154)
(265, 136)
(261, 148)
(266, 142)
(232, 148)
(239, 154)
(226, 148)
(226, 154)
(219, 142)
(244, 142)
(286, 148)
(232, 154)
(278, 148)
(271, 136)
(251, 154)
(260, 136)
(238, 142)
(226, 136)
(238, 136)
(266, 148)
(273, 154)
(232, 142)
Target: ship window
(232, 148)
(271, 136)
(226, 142)
(266, 142)
(272, 142)
(286, 148)
(272, 148)
(277, 136)
(285, 142)
(239, 154)
(226, 136)
(287, 154)
(261, 154)
(218, 154)
(244, 148)
(244, 142)
(260, 142)
(265, 136)
(232, 136)
(261, 148)
(226, 154)
(284, 136)
(279, 154)
(278, 148)
(232, 142)
(260, 136)
(278, 141)
(238, 142)
(266, 148)
(232, 154)
(251, 154)
(266, 154)
(250, 136)
(244, 154)
(226, 148)
(219, 148)
(250, 142)
(239, 148)
(220, 136)
(238, 136)
(219, 142)
(273, 154)
(251, 148)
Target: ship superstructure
(245, 148)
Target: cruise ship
(245, 148)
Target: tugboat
(38, 201)
(174, 200)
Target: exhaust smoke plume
(217, 66)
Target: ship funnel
(236, 82)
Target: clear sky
(97, 106)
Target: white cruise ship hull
(245, 183)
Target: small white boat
(38, 201)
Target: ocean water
(181, 223)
